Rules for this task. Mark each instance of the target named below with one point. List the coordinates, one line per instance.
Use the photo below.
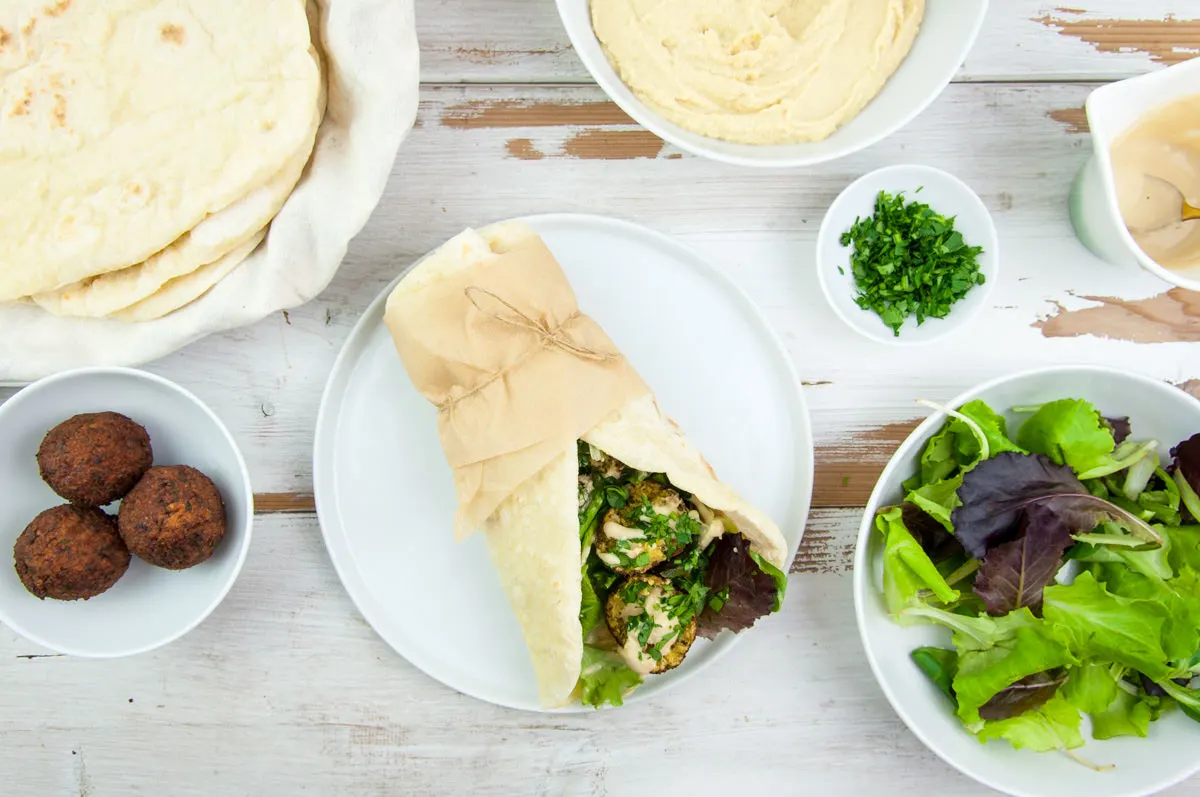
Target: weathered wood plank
(523, 41)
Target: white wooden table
(285, 689)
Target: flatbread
(537, 560)
(210, 240)
(124, 123)
(189, 287)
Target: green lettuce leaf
(604, 678)
(1073, 432)
(958, 446)
(1126, 715)
(993, 426)
(1184, 546)
(591, 609)
(1181, 634)
(939, 458)
(1093, 686)
(1177, 596)
(994, 653)
(939, 665)
(597, 581)
(983, 674)
(1188, 699)
(1069, 431)
(907, 569)
(1161, 499)
(1094, 623)
(1054, 726)
(1138, 574)
(938, 499)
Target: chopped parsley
(677, 607)
(908, 260)
(687, 573)
(718, 599)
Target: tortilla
(187, 288)
(533, 532)
(106, 160)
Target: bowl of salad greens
(1027, 583)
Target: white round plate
(385, 496)
(149, 606)
(1143, 766)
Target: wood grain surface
(286, 690)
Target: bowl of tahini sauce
(1126, 201)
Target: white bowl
(1143, 766)
(1095, 213)
(945, 194)
(149, 606)
(947, 33)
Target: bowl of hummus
(772, 83)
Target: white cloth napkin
(371, 62)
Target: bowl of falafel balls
(127, 507)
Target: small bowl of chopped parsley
(907, 254)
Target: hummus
(757, 71)
(1156, 165)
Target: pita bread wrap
(489, 331)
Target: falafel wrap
(615, 542)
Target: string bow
(549, 335)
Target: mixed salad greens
(659, 569)
(1065, 559)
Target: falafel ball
(95, 458)
(70, 553)
(654, 525)
(173, 518)
(652, 621)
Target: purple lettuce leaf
(929, 533)
(1028, 694)
(996, 493)
(1121, 428)
(1015, 573)
(1187, 460)
(751, 592)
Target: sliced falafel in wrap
(615, 542)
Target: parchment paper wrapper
(497, 342)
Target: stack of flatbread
(146, 145)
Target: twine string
(548, 335)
